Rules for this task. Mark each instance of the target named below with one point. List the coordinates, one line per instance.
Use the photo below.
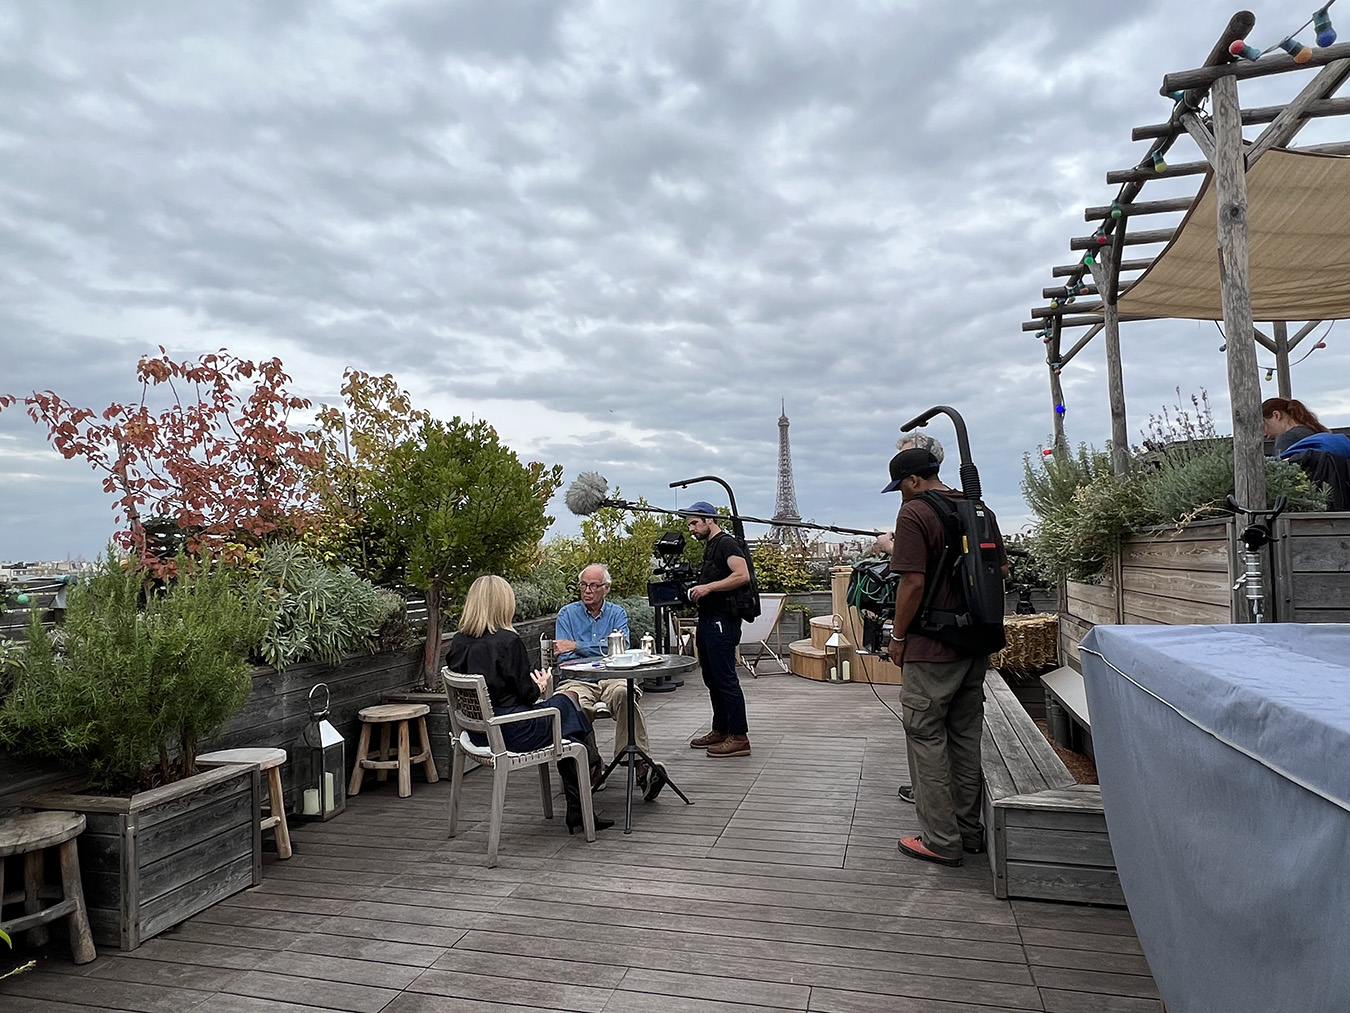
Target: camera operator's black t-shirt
(716, 552)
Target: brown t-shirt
(919, 541)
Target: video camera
(674, 577)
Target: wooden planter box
(153, 860)
(1182, 578)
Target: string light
(1059, 409)
(1242, 49)
(1321, 22)
(1116, 209)
(1296, 49)
(1046, 451)
(1270, 375)
(1159, 163)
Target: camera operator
(719, 631)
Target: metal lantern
(319, 762)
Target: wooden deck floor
(780, 889)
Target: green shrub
(784, 569)
(314, 612)
(127, 682)
(641, 617)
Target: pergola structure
(1236, 255)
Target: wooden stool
(28, 834)
(384, 715)
(269, 761)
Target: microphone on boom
(590, 491)
(587, 494)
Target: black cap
(914, 461)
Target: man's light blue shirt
(590, 632)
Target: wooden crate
(153, 860)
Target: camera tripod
(1254, 537)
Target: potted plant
(138, 675)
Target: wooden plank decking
(781, 889)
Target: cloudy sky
(622, 230)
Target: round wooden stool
(269, 761)
(385, 715)
(28, 834)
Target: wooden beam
(1115, 380)
(1303, 332)
(1078, 346)
(1056, 392)
(1200, 133)
(1268, 343)
(1282, 130)
(1253, 117)
(1244, 389)
(1143, 207)
(1063, 291)
(1134, 239)
(1069, 270)
(1271, 63)
(1084, 321)
(1239, 26)
(1283, 381)
(1060, 311)
(1143, 175)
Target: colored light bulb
(1159, 163)
(1046, 340)
(1240, 48)
(1223, 347)
(1047, 451)
(1089, 259)
(1059, 408)
(1068, 299)
(1296, 49)
(1270, 375)
(21, 599)
(1326, 35)
(1321, 344)
(1177, 96)
(1116, 210)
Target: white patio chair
(471, 710)
(755, 633)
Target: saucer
(620, 662)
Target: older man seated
(581, 632)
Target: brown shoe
(711, 739)
(732, 745)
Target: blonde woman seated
(486, 644)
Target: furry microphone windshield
(587, 494)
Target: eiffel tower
(785, 505)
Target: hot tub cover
(1224, 759)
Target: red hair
(1296, 411)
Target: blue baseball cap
(702, 508)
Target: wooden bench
(1066, 709)
(1046, 833)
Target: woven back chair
(471, 711)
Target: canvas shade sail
(1298, 247)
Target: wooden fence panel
(1312, 572)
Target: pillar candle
(834, 674)
(311, 806)
(328, 791)
(846, 679)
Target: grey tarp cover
(1224, 758)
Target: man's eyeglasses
(588, 586)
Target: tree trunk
(431, 656)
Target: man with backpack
(725, 572)
(942, 698)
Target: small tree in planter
(130, 683)
(455, 503)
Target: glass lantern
(319, 762)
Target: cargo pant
(942, 707)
